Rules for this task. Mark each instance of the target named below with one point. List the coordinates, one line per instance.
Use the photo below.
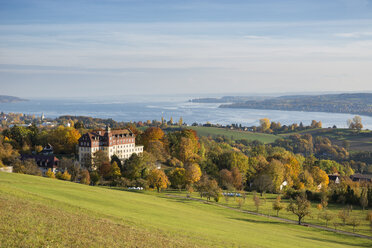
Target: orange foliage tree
(193, 173)
(158, 179)
(151, 134)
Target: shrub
(63, 176)
(50, 174)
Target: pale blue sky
(114, 47)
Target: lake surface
(142, 108)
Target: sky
(77, 48)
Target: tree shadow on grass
(180, 200)
(273, 222)
(366, 243)
(126, 190)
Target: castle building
(114, 142)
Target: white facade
(117, 142)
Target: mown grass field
(266, 203)
(234, 134)
(43, 212)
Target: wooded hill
(5, 99)
(355, 103)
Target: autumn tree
(151, 134)
(64, 176)
(226, 179)
(265, 124)
(64, 139)
(184, 145)
(28, 166)
(192, 174)
(343, 215)
(138, 166)
(300, 207)
(213, 191)
(277, 205)
(100, 158)
(327, 216)
(7, 154)
(94, 177)
(85, 177)
(187, 151)
(315, 124)
(157, 149)
(177, 177)
(257, 201)
(355, 123)
(158, 179)
(276, 172)
(115, 171)
(237, 178)
(202, 185)
(320, 177)
(71, 166)
(354, 222)
(262, 183)
(364, 198)
(50, 174)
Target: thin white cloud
(354, 35)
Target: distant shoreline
(11, 99)
(349, 103)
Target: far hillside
(353, 140)
(353, 103)
(9, 99)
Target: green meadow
(267, 200)
(43, 212)
(234, 134)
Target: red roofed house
(114, 142)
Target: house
(47, 150)
(334, 178)
(45, 162)
(361, 178)
(113, 142)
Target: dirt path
(274, 217)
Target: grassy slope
(214, 131)
(59, 213)
(266, 208)
(359, 140)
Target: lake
(142, 108)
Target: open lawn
(43, 212)
(234, 134)
(266, 203)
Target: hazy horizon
(110, 48)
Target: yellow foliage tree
(158, 179)
(265, 124)
(193, 174)
(63, 176)
(64, 139)
(115, 170)
(320, 176)
(50, 174)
